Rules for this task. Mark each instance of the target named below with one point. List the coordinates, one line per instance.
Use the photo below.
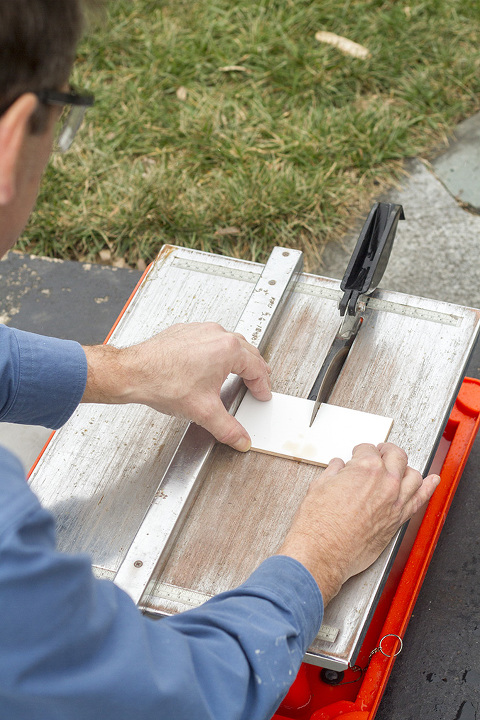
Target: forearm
(318, 558)
(134, 374)
(108, 375)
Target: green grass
(287, 150)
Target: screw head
(331, 677)
(272, 282)
(138, 563)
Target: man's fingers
(260, 388)
(421, 496)
(224, 427)
(395, 459)
(430, 483)
(333, 467)
(251, 348)
(414, 490)
(410, 484)
(364, 450)
(247, 345)
(254, 371)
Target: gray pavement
(459, 167)
(435, 255)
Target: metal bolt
(272, 282)
(285, 254)
(331, 677)
(138, 563)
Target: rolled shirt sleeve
(42, 379)
(73, 647)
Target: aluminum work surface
(391, 371)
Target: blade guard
(371, 254)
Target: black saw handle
(371, 254)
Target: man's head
(38, 39)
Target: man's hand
(180, 372)
(352, 511)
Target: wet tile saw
(174, 518)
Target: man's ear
(14, 128)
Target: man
(73, 647)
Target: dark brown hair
(38, 39)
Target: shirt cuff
(288, 580)
(46, 378)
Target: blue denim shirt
(73, 647)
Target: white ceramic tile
(281, 427)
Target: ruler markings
(217, 270)
(328, 633)
(306, 288)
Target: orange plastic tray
(359, 695)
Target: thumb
(225, 428)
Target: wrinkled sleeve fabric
(42, 379)
(73, 647)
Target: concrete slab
(436, 253)
(459, 167)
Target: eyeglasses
(75, 107)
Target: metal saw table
(103, 474)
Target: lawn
(228, 127)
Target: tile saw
(174, 518)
